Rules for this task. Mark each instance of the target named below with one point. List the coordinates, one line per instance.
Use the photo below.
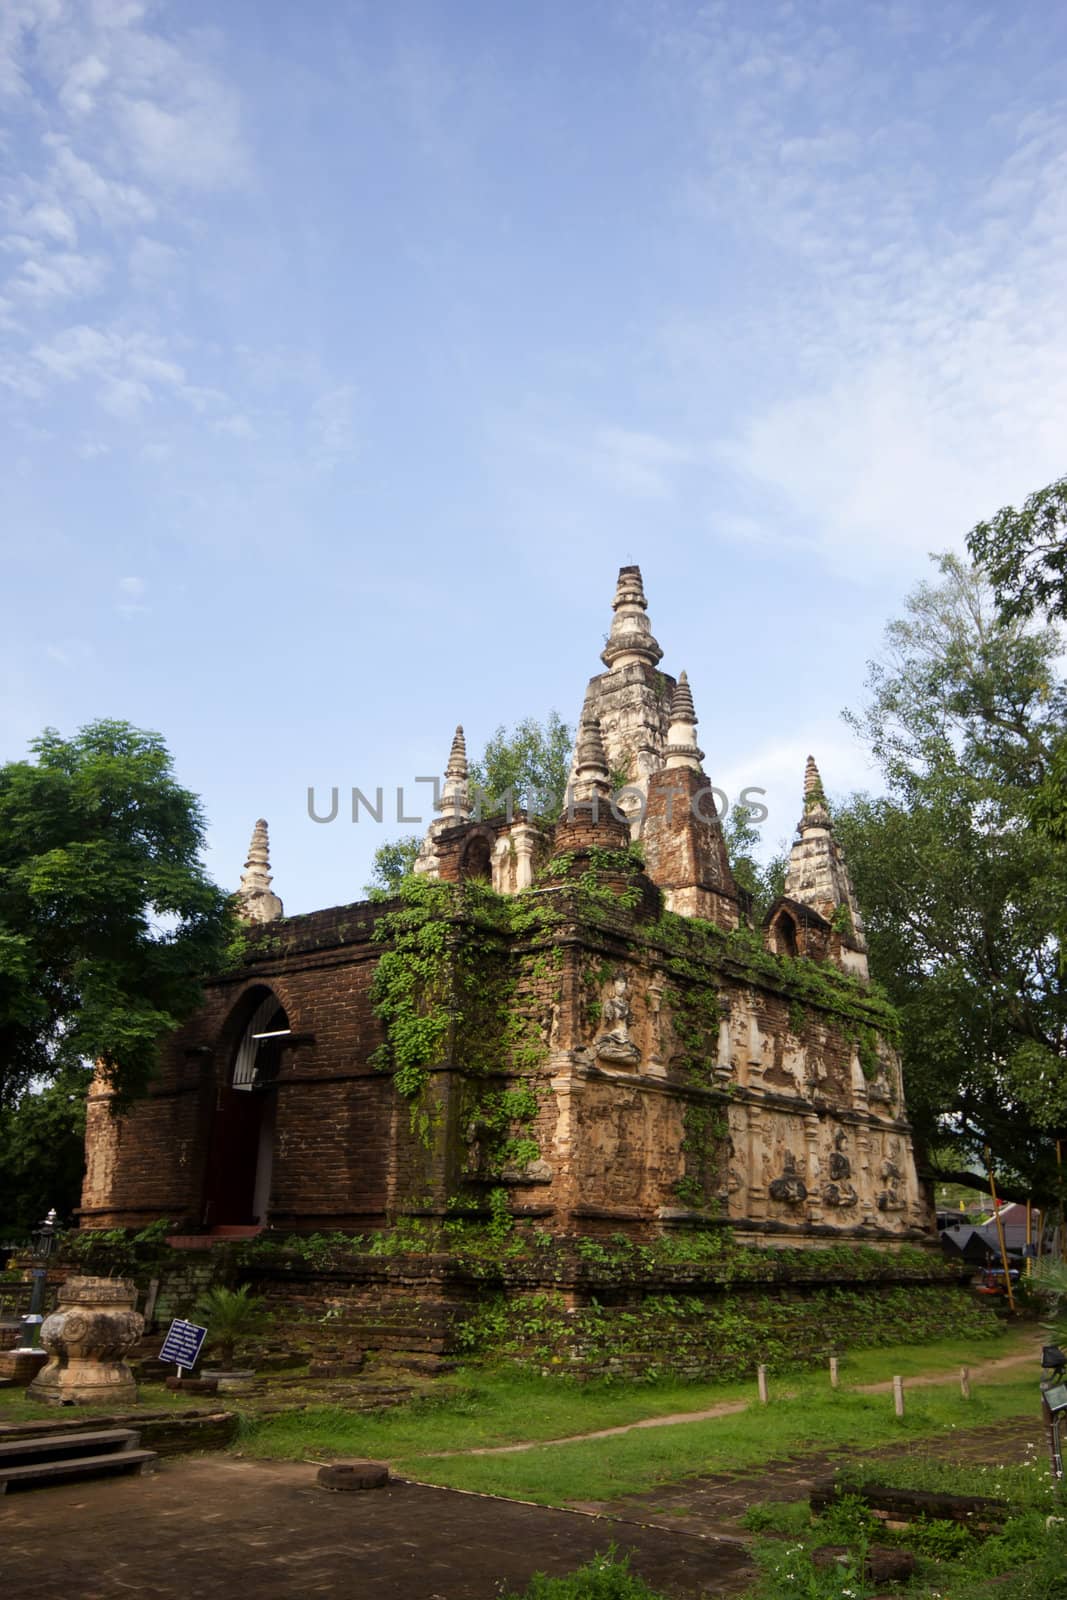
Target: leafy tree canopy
(391, 865)
(963, 899)
(765, 882)
(42, 1154)
(1024, 554)
(107, 919)
(533, 761)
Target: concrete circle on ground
(354, 1475)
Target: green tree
(533, 762)
(107, 919)
(42, 1155)
(963, 900)
(1024, 554)
(764, 881)
(392, 863)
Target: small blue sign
(182, 1344)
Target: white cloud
(127, 371)
(151, 261)
(333, 423)
(125, 398)
(113, 202)
(132, 593)
(51, 220)
(195, 144)
(237, 426)
(916, 325)
(58, 275)
(78, 91)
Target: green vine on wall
(447, 989)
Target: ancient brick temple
(579, 1018)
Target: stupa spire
(591, 773)
(257, 903)
(682, 748)
(631, 637)
(816, 874)
(455, 793)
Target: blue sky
(347, 350)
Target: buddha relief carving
(790, 1186)
(615, 1044)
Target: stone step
(66, 1446)
(34, 1472)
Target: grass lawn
(14, 1407)
(495, 1407)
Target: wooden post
(1063, 1220)
(1029, 1268)
(1000, 1229)
(761, 1383)
(833, 1372)
(898, 1396)
(965, 1382)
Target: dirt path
(728, 1408)
(983, 1370)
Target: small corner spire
(455, 792)
(257, 903)
(591, 759)
(682, 748)
(457, 756)
(631, 637)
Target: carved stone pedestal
(86, 1338)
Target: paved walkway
(213, 1527)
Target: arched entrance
(237, 1191)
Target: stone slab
(216, 1527)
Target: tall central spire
(631, 633)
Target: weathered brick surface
(733, 1097)
(338, 1151)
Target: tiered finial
(631, 635)
(257, 903)
(455, 793)
(816, 811)
(591, 760)
(682, 748)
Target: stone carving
(790, 1187)
(880, 1088)
(549, 1026)
(840, 1165)
(892, 1175)
(615, 1044)
(732, 1179)
(839, 1193)
(86, 1338)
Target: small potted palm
(232, 1317)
